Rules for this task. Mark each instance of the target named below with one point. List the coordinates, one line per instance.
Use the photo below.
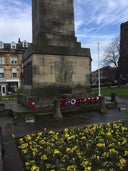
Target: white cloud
(15, 20)
(101, 12)
(95, 21)
(99, 22)
(92, 43)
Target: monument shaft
(52, 17)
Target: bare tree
(112, 53)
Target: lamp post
(99, 93)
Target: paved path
(16, 107)
(11, 158)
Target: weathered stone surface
(55, 57)
(53, 17)
(56, 50)
(57, 112)
(53, 28)
(57, 69)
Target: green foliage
(8, 97)
(20, 90)
(93, 148)
(119, 91)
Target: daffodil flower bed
(101, 147)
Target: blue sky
(96, 21)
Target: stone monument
(55, 57)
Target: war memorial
(55, 63)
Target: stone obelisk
(55, 57)
(52, 17)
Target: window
(13, 60)
(13, 45)
(1, 45)
(1, 75)
(2, 60)
(14, 72)
(24, 44)
(14, 75)
(1, 72)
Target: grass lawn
(106, 91)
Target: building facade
(11, 66)
(107, 75)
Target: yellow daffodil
(122, 163)
(44, 157)
(72, 168)
(56, 151)
(35, 168)
(100, 145)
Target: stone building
(11, 66)
(107, 74)
(55, 57)
(123, 60)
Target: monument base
(46, 72)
